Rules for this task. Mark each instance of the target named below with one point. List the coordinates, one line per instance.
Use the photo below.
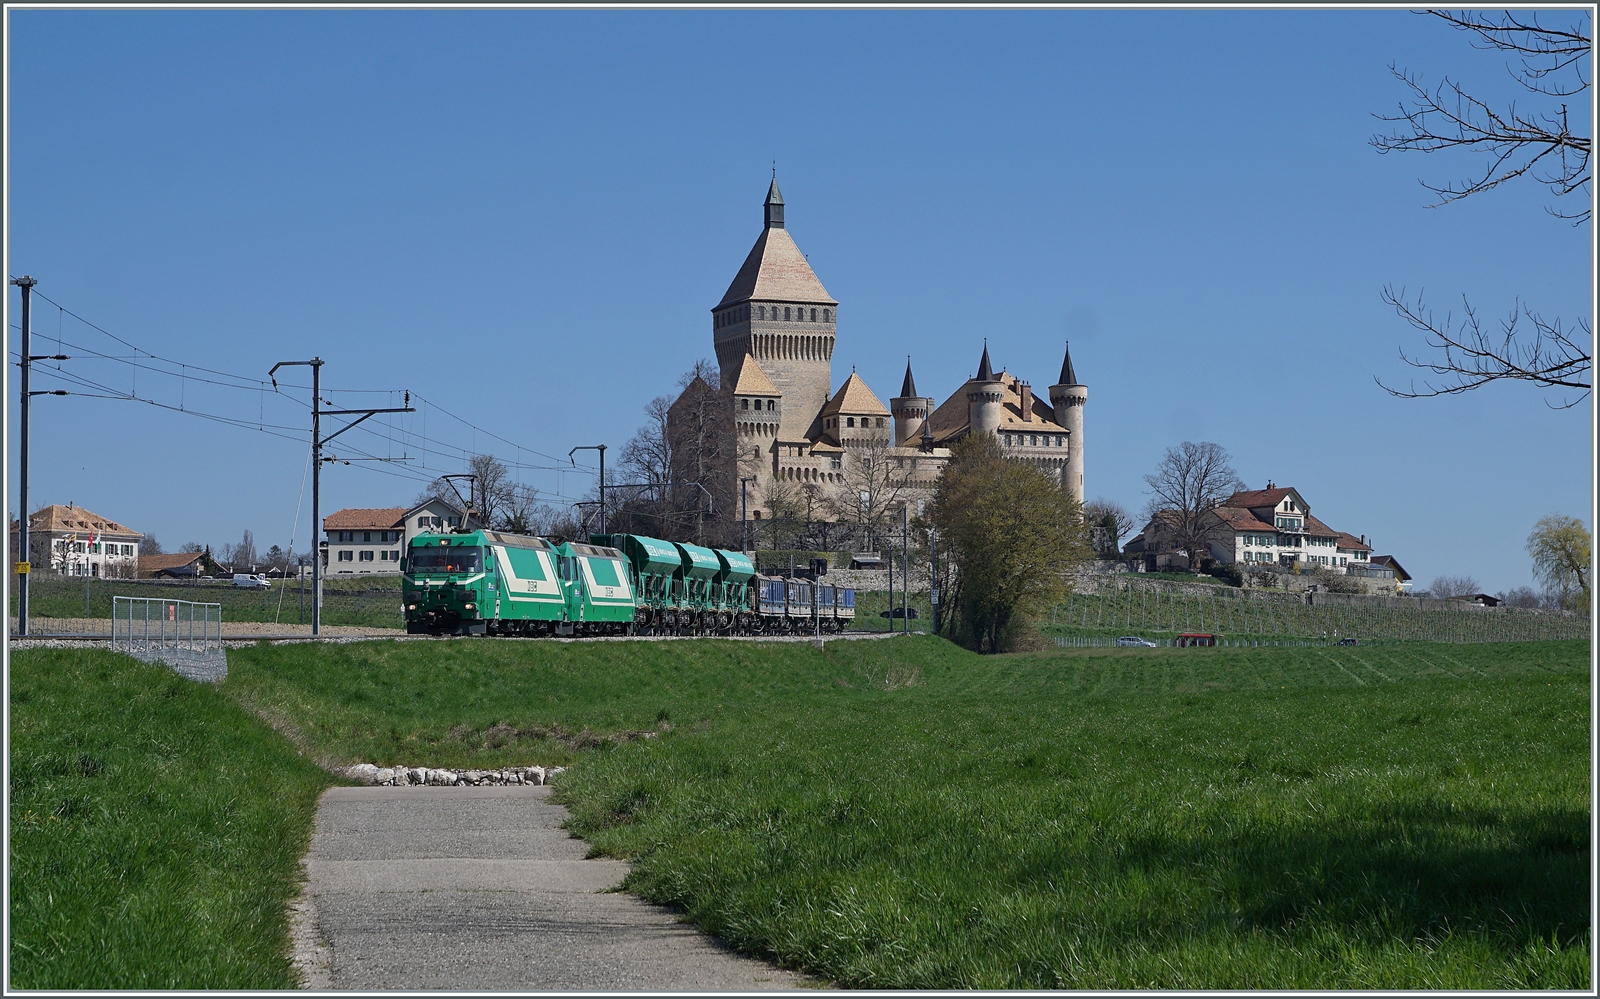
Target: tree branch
(1473, 357)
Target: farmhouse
(72, 541)
(370, 540)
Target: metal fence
(183, 634)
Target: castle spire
(985, 370)
(908, 388)
(1068, 376)
(774, 204)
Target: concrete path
(478, 888)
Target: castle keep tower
(778, 313)
(1068, 398)
(910, 411)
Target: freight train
(495, 583)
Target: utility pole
(602, 449)
(317, 440)
(933, 579)
(26, 284)
(905, 575)
(24, 564)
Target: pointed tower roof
(751, 380)
(985, 370)
(776, 270)
(908, 388)
(854, 397)
(1068, 376)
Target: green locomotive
(495, 583)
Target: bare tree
(489, 497)
(521, 501)
(700, 442)
(873, 485)
(1108, 523)
(1191, 480)
(243, 554)
(1541, 145)
(148, 545)
(1445, 587)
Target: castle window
(761, 312)
(786, 312)
(813, 315)
(849, 421)
(744, 403)
(825, 316)
(880, 423)
(772, 404)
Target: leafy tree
(1012, 533)
(1191, 481)
(1538, 144)
(1562, 554)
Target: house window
(346, 555)
(366, 556)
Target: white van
(251, 582)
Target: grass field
(366, 601)
(904, 814)
(156, 830)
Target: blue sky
(525, 217)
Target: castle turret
(985, 396)
(1068, 398)
(910, 411)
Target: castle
(775, 331)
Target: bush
(1225, 571)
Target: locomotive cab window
(451, 559)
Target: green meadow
(900, 813)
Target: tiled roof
(1317, 528)
(75, 518)
(385, 518)
(751, 380)
(776, 270)
(1254, 499)
(1353, 542)
(854, 398)
(1240, 519)
(950, 419)
(156, 563)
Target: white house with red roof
(1261, 528)
(371, 540)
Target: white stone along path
(480, 889)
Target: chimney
(1027, 401)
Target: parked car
(1135, 642)
(250, 582)
(1348, 641)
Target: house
(1389, 562)
(179, 565)
(371, 540)
(72, 541)
(1262, 528)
